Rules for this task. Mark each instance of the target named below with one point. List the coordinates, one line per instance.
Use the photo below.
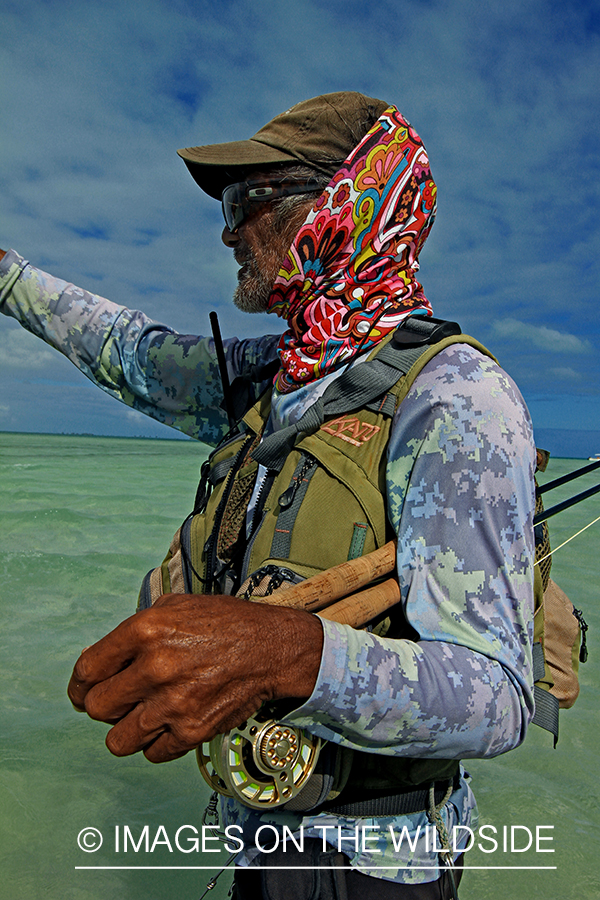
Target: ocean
(82, 519)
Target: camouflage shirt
(460, 498)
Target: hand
(190, 667)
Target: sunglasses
(237, 199)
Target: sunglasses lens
(237, 199)
(232, 201)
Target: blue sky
(97, 97)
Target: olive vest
(321, 502)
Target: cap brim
(214, 166)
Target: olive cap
(320, 133)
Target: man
(326, 210)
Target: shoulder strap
(404, 353)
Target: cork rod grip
(343, 584)
(360, 608)
(349, 577)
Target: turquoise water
(81, 521)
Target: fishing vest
(321, 503)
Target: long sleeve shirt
(459, 491)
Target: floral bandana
(348, 278)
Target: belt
(395, 804)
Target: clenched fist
(193, 666)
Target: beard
(254, 283)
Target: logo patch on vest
(351, 430)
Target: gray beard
(253, 289)
(251, 297)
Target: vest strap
(290, 506)
(354, 389)
(546, 711)
(539, 667)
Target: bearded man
(326, 209)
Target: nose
(230, 238)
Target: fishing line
(567, 541)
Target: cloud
(565, 373)
(543, 338)
(20, 351)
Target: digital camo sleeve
(460, 497)
(171, 377)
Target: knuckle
(187, 731)
(82, 669)
(161, 668)
(146, 626)
(148, 717)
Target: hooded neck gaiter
(349, 277)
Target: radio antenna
(216, 332)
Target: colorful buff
(349, 277)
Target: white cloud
(21, 351)
(566, 373)
(542, 337)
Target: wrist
(294, 648)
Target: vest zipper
(306, 469)
(259, 502)
(257, 520)
(210, 547)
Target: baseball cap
(320, 133)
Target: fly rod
(550, 485)
(548, 513)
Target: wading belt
(402, 804)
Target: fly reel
(262, 764)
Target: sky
(98, 95)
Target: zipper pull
(287, 498)
(583, 652)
